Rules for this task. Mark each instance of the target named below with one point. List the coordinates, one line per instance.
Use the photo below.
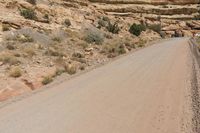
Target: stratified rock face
(175, 16)
(157, 2)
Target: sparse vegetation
(53, 52)
(5, 27)
(28, 14)
(47, 79)
(57, 39)
(9, 59)
(94, 35)
(24, 38)
(105, 18)
(58, 72)
(113, 28)
(10, 47)
(102, 23)
(136, 29)
(15, 72)
(114, 48)
(46, 17)
(70, 69)
(30, 51)
(32, 2)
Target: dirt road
(148, 91)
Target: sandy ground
(148, 91)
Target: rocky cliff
(180, 16)
(154, 2)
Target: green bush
(113, 28)
(32, 1)
(28, 14)
(136, 29)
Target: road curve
(144, 92)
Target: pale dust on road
(148, 91)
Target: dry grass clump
(9, 59)
(59, 71)
(114, 48)
(15, 72)
(70, 69)
(24, 38)
(54, 52)
(10, 47)
(5, 27)
(30, 51)
(141, 43)
(47, 79)
(82, 43)
(57, 39)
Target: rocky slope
(40, 41)
(153, 2)
(180, 15)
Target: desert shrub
(82, 44)
(105, 18)
(102, 23)
(10, 47)
(53, 52)
(30, 51)
(113, 28)
(58, 72)
(78, 55)
(70, 69)
(94, 35)
(114, 48)
(141, 43)
(46, 17)
(57, 39)
(5, 27)
(32, 2)
(24, 38)
(47, 79)
(136, 29)
(67, 22)
(9, 59)
(28, 14)
(15, 72)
